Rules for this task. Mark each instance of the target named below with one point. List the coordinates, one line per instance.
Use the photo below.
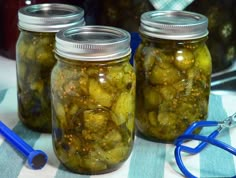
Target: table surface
(147, 160)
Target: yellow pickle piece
(164, 76)
(184, 59)
(95, 120)
(100, 95)
(202, 55)
(122, 108)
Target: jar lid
(49, 17)
(174, 25)
(93, 43)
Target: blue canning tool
(205, 140)
(36, 158)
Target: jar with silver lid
(35, 59)
(173, 69)
(93, 99)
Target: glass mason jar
(93, 99)
(35, 59)
(173, 70)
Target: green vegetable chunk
(95, 120)
(184, 59)
(100, 95)
(123, 107)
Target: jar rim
(174, 24)
(50, 17)
(93, 43)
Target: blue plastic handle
(190, 130)
(198, 124)
(36, 158)
(205, 140)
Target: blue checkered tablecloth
(148, 159)
(170, 4)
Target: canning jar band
(50, 17)
(176, 25)
(93, 43)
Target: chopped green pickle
(173, 86)
(35, 60)
(93, 114)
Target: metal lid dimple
(50, 17)
(93, 43)
(174, 25)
